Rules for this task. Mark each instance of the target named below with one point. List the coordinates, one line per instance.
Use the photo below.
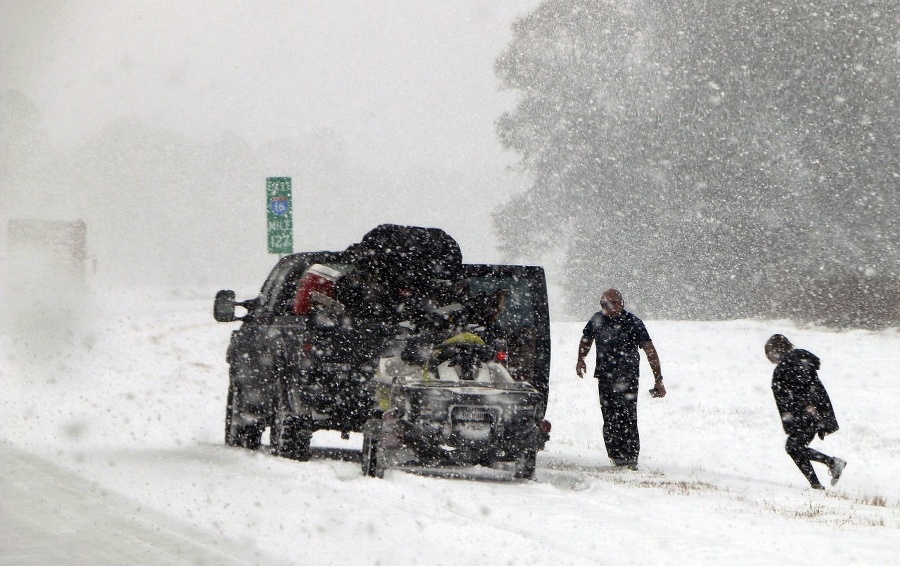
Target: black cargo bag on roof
(408, 255)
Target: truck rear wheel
(289, 437)
(236, 434)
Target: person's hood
(803, 356)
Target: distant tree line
(165, 207)
(712, 159)
(160, 207)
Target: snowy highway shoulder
(52, 516)
(112, 446)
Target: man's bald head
(611, 295)
(611, 303)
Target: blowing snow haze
(741, 163)
(158, 123)
(717, 162)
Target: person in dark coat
(617, 335)
(804, 406)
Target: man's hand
(584, 346)
(659, 390)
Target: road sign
(278, 213)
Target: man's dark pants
(618, 405)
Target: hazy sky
(394, 78)
(406, 87)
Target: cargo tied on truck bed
(312, 348)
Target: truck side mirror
(223, 309)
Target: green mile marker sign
(278, 212)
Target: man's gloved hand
(659, 390)
(580, 367)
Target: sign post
(279, 217)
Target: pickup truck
(309, 345)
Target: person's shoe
(836, 469)
(625, 464)
(816, 486)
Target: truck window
(269, 293)
(518, 310)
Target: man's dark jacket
(796, 385)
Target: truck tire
(525, 464)
(229, 405)
(242, 436)
(289, 436)
(372, 466)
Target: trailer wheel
(525, 464)
(372, 465)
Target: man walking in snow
(617, 335)
(804, 406)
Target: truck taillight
(501, 356)
(319, 279)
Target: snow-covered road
(110, 452)
(51, 515)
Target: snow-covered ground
(111, 452)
